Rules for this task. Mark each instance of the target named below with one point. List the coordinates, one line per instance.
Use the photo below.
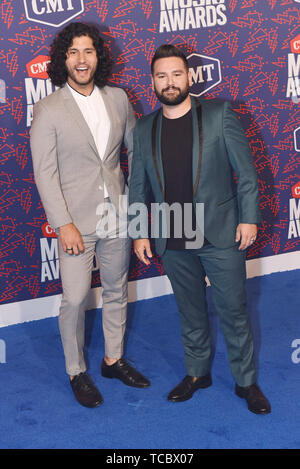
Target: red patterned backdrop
(244, 51)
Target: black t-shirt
(177, 149)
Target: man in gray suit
(76, 136)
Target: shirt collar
(81, 96)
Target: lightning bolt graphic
(29, 36)
(251, 19)
(7, 12)
(125, 8)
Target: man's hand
(71, 239)
(140, 246)
(245, 233)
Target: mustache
(170, 88)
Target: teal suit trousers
(225, 269)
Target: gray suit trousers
(113, 256)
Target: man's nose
(170, 80)
(81, 57)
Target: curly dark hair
(57, 70)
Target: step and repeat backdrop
(244, 51)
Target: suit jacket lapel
(197, 142)
(111, 116)
(76, 114)
(156, 150)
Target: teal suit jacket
(220, 149)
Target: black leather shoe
(85, 391)
(187, 387)
(125, 372)
(256, 401)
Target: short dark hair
(57, 70)
(168, 50)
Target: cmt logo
(48, 231)
(297, 139)
(53, 12)
(37, 85)
(37, 68)
(206, 73)
(295, 44)
(49, 254)
(296, 191)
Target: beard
(81, 81)
(176, 99)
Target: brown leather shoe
(188, 386)
(85, 391)
(256, 401)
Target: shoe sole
(127, 384)
(263, 412)
(189, 396)
(89, 406)
(92, 406)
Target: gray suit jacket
(69, 172)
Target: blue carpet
(38, 409)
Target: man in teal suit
(187, 153)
